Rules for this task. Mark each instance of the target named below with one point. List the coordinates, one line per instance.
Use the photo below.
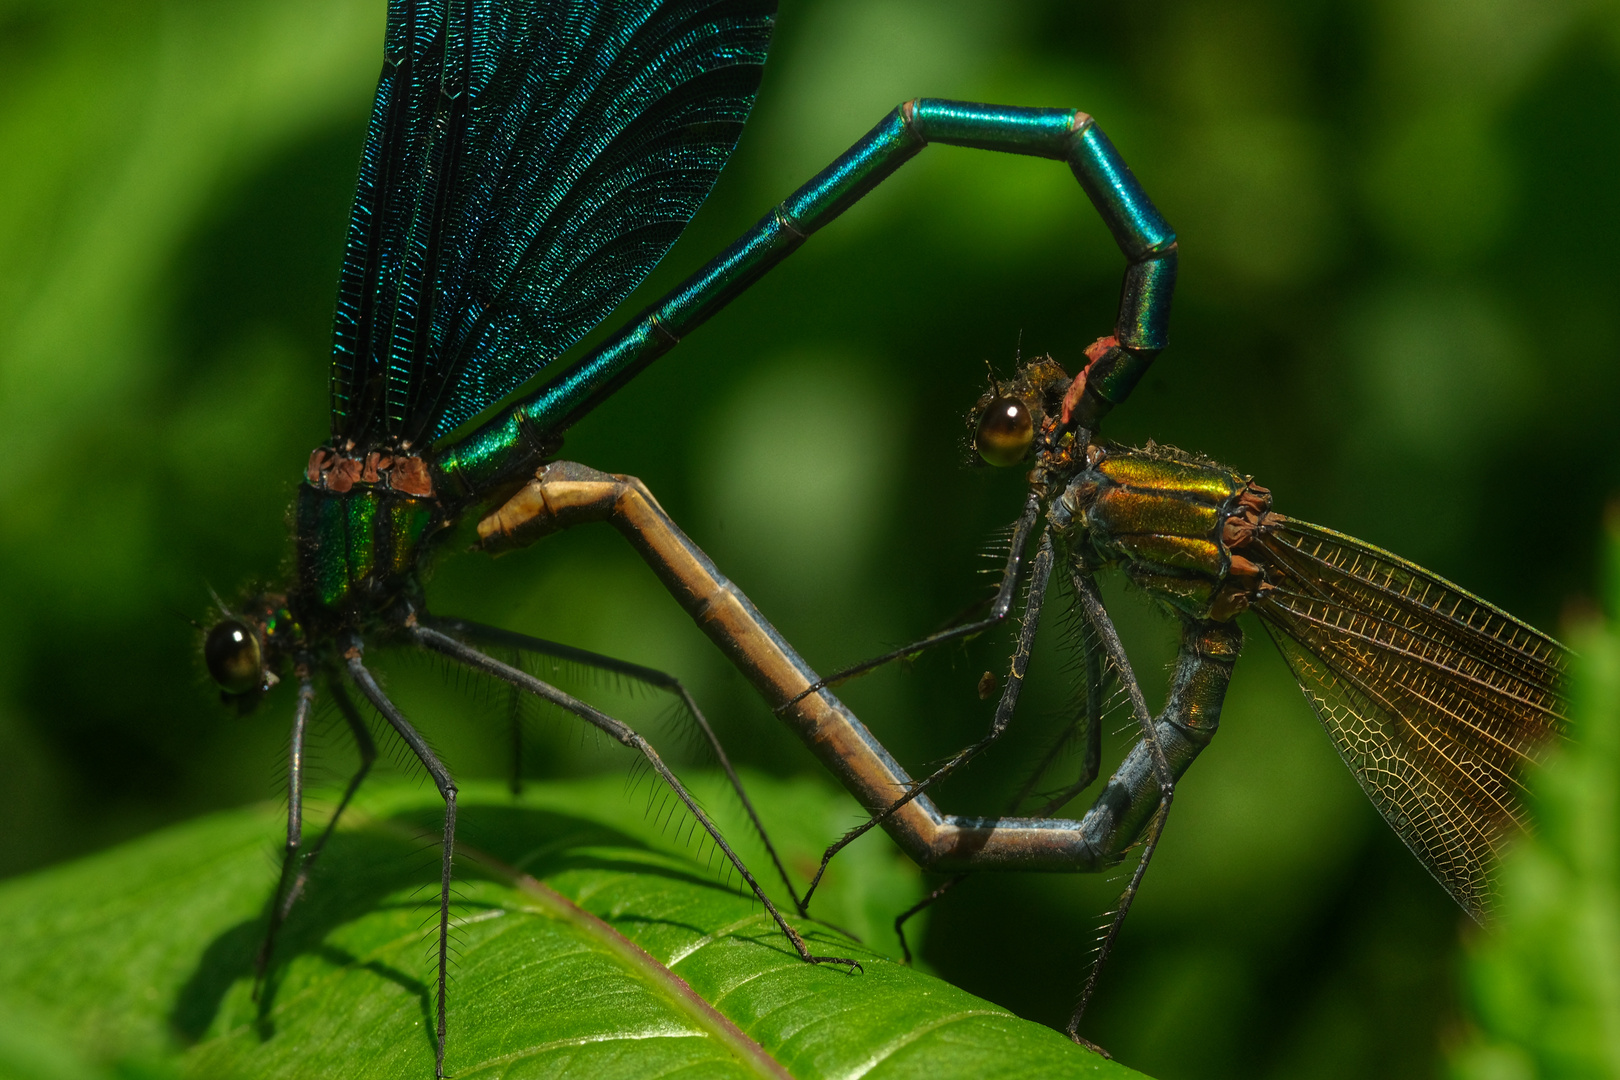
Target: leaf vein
(889, 1049)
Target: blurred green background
(1397, 309)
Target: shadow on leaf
(370, 866)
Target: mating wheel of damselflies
(524, 169)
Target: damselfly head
(1005, 432)
(234, 656)
(243, 649)
(1007, 417)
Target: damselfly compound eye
(1005, 432)
(231, 652)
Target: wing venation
(1437, 701)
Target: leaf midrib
(704, 1016)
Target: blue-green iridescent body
(516, 438)
(359, 552)
(338, 571)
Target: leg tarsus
(1081, 1040)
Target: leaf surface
(591, 940)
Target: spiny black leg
(650, 676)
(1085, 589)
(1154, 830)
(447, 789)
(1094, 707)
(295, 829)
(514, 722)
(368, 756)
(1040, 572)
(1091, 718)
(1000, 606)
(466, 654)
(1091, 764)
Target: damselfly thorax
(1180, 526)
(1170, 521)
(362, 525)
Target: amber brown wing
(1438, 701)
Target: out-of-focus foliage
(1544, 989)
(1396, 309)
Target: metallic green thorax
(358, 550)
(1159, 515)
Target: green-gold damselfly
(1438, 702)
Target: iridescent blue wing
(527, 164)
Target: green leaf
(590, 940)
